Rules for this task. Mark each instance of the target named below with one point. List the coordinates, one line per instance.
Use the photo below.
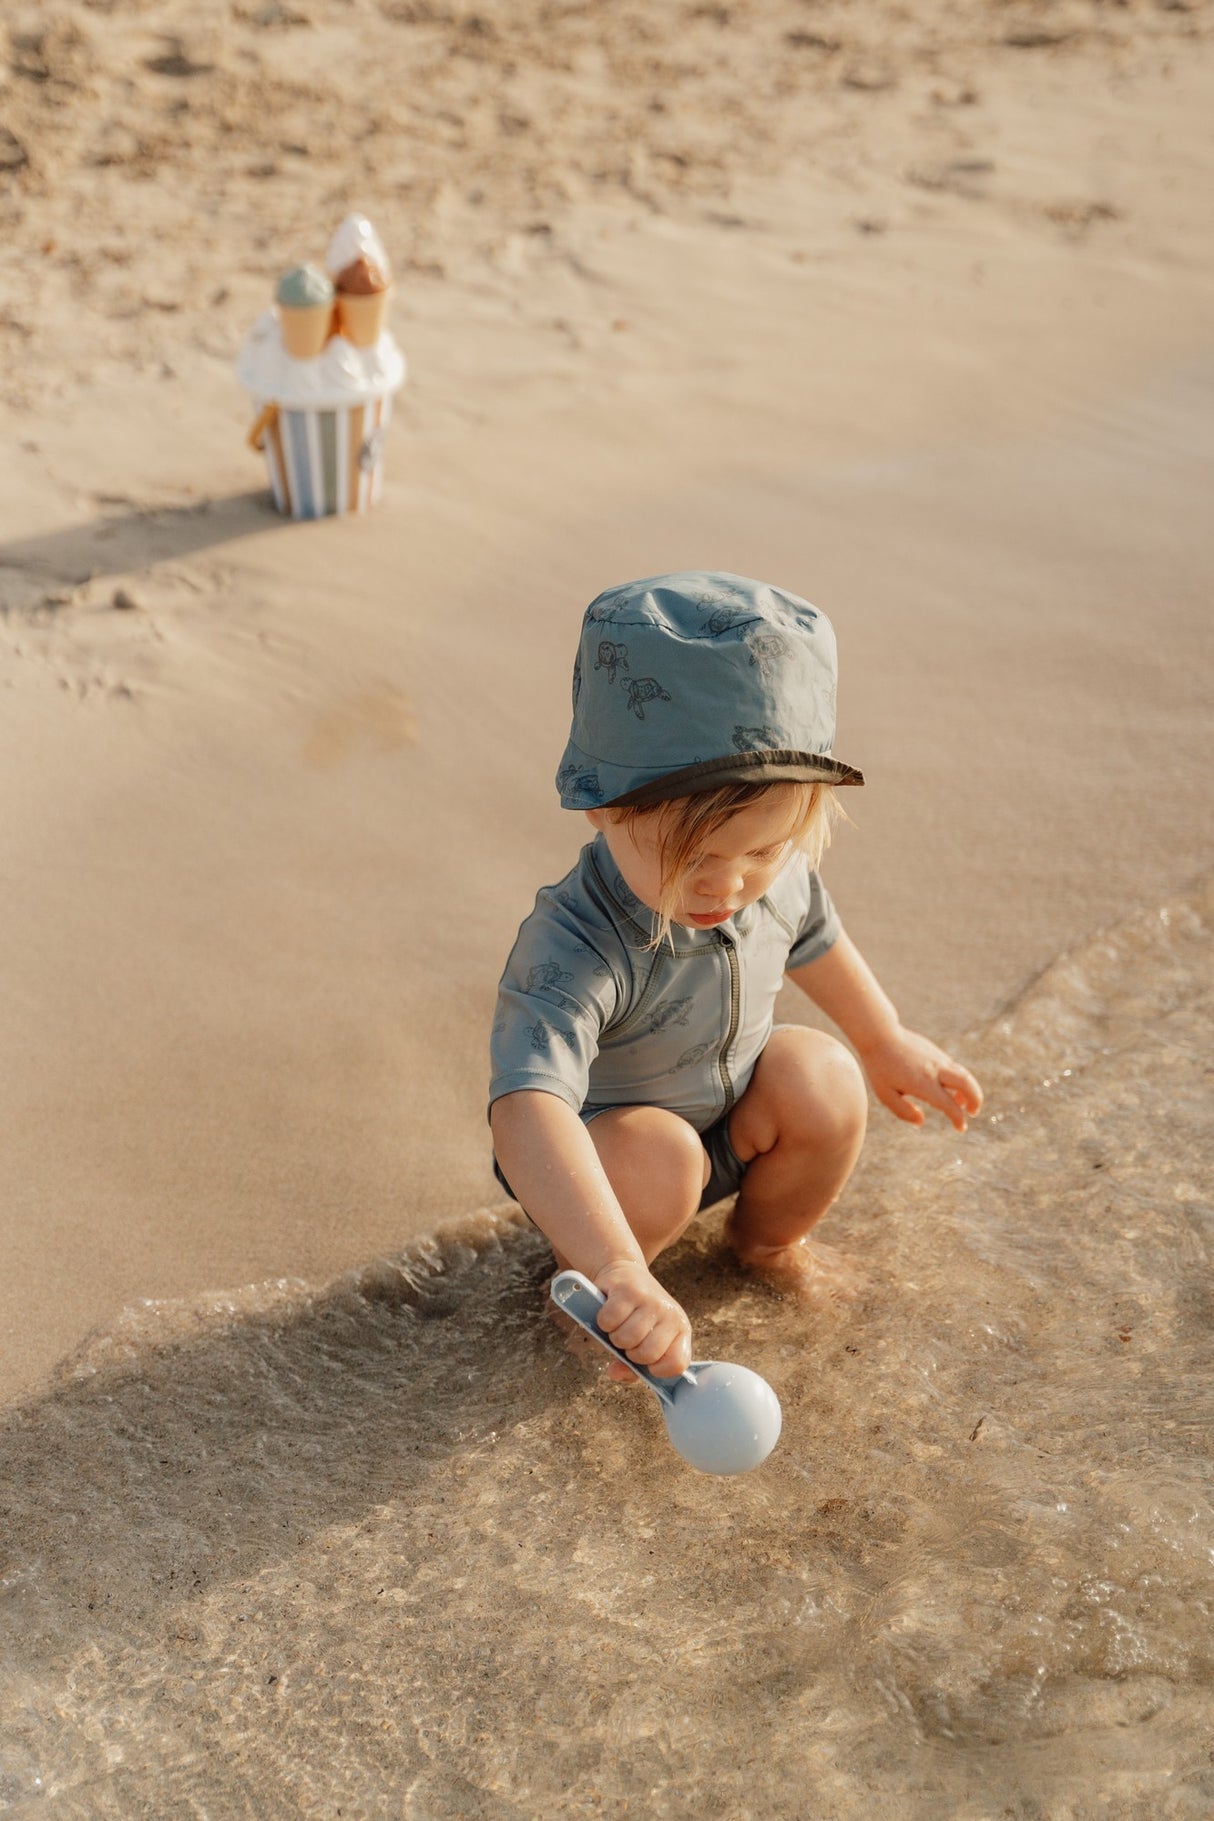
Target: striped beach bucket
(323, 461)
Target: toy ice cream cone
(305, 330)
(358, 266)
(305, 311)
(361, 315)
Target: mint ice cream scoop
(304, 287)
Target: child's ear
(597, 818)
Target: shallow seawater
(384, 1549)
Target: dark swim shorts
(726, 1173)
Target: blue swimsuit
(587, 1012)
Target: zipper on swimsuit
(735, 1004)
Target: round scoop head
(723, 1418)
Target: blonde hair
(685, 823)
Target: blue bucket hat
(684, 682)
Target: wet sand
(907, 313)
(384, 1548)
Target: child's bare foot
(813, 1273)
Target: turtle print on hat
(611, 657)
(768, 651)
(726, 619)
(642, 690)
(585, 783)
(670, 665)
(754, 739)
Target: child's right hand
(644, 1321)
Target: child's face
(739, 862)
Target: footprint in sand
(378, 720)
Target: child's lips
(706, 919)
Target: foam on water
(384, 1549)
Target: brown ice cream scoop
(362, 277)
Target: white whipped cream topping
(355, 238)
(340, 375)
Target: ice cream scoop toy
(721, 1418)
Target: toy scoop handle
(581, 1300)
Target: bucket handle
(266, 419)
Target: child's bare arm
(550, 1162)
(902, 1065)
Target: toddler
(637, 1071)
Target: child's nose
(723, 882)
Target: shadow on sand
(196, 1444)
(128, 536)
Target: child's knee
(823, 1089)
(679, 1146)
(846, 1100)
(650, 1147)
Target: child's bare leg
(658, 1168)
(799, 1127)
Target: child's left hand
(904, 1067)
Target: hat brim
(766, 767)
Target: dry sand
(906, 310)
